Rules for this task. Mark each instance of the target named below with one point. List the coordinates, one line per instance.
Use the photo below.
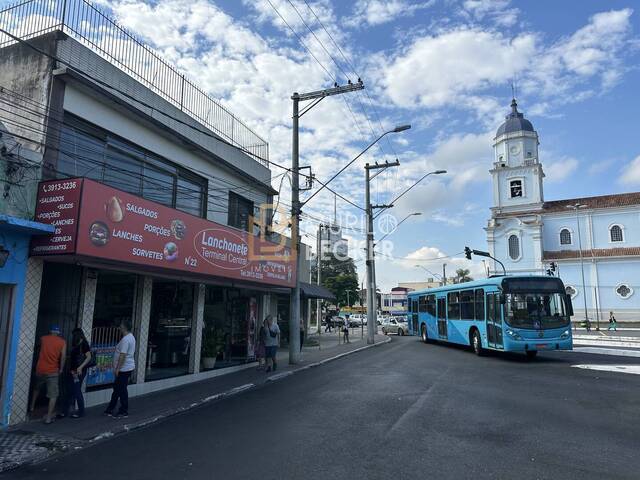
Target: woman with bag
(79, 361)
(272, 340)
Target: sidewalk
(33, 441)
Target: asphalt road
(403, 410)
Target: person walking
(50, 365)
(327, 324)
(301, 333)
(272, 340)
(123, 366)
(612, 322)
(345, 329)
(261, 349)
(79, 359)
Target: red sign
(118, 226)
(58, 204)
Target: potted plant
(209, 348)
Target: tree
(339, 276)
(462, 275)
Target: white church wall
(629, 221)
(554, 224)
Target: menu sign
(119, 226)
(58, 205)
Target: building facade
(148, 210)
(591, 243)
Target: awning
(311, 290)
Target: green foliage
(462, 275)
(339, 276)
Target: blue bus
(505, 313)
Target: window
(565, 237)
(414, 306)
(431, 305)
(423, 303)
(240, 212)
(615, 233)
(624, 290)
(515, 187)
(453, 305)
(514, 247)
(479, 309)
(529, 155)
(467, 304)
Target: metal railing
(93, 28)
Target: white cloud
(497, 11)
(559, 170)
(631, 173)
(377, 12)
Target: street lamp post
(435, 275)
(400, 223)
(576, 207)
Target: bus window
(479, 310)
(422, 305)
(414, 306)
(466, 304)
(431, 305)
(453, 300)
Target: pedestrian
(123, 366)
(272, 340)
(50, 365)
(327, 324)
(587, 325)
(260, 349)
(79, 359)
(345, 329)
(301, 334)
(612, 322)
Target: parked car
(357, 320)
(337, 321)
(397, 325)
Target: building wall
(530, 246)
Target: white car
(397, 325)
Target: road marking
(610, 343)
(616, 338)
(607, 351)
(633, 369)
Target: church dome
(514, 122)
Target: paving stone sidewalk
(34, 441)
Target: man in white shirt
(123, 365)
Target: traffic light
(467, 253)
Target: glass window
(467, 303)
(189, 196)
(170, 329)
(80, 155)
(431, 305)
(616, 233)
(536, 310)
(240, 212)
(157, 185)
(415, 306)
(122, 171)
(453, 305)
(515, 188)
(479, 309)
(423, 303)
(514, 247)
(565, 237)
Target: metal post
(444, 274)
(294, 314)
(370, 282)
(584, 291)
(319, 268)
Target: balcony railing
(93, 28)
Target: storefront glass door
(169, 329)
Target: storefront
(193, 290)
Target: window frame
(522, 192)
(481, 293)
(517, 236)
(239, 198)
(570, 232)
(621, 228)
(453, 306)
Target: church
(591, 243)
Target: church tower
(517, 173)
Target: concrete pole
(371, 311)
(584, 287)
(294, 314)
(444, 274)
(319, 267)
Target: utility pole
(317, 96)
(319, 268)
(576, 207)
(444, 274)
(372, 325)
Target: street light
(435, 172)
(428, 271)
(576, 207)
(401, 221)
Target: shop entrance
(115, 300)
(170, 329)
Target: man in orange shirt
(53, 351)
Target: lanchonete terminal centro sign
(97, 221)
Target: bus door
(442, 317)
(494, 321)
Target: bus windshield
(536, 310)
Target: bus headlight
(513, 335)
(566, 334)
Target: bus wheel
(476, 343)
(531, 354)
(423, 333)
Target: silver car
(397, 325)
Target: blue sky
(446, 67)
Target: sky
(448, 68)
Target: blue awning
(24, 225)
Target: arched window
(514, 247)
(615, 233)
(565, 237)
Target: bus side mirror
(569, 305)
